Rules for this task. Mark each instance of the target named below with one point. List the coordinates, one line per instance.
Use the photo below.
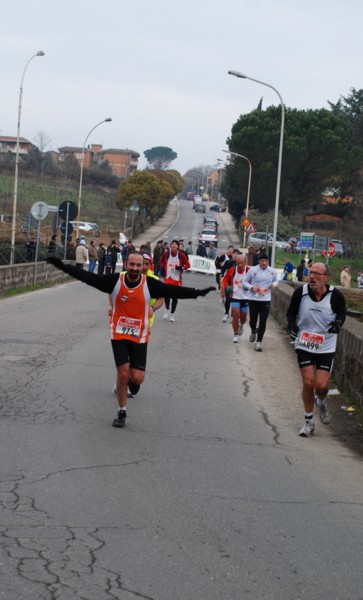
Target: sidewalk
(158, 231)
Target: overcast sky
(159, 68)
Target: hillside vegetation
(98, 204)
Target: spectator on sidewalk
(288, 270)
(101, 253)
(114, 250)
(93, 256)
(158, 250)
(345, 277)
(81, 254)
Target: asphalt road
(207, 494)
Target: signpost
(39, 211)
(67, 211)
(329, 252)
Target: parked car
(208, 236)
(259, 238)
(216, 207)
(200, 207)
(85, 226)
(339, 248)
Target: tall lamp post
(15, 199)
(248, 188)
(277, 200)
(81, 174)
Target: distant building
(323, 223)
(122, 162)
(8, 144)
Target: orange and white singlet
(130, 319)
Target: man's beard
(133, 275)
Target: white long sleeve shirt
(264, 279)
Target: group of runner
(245, 289)
(315, 315)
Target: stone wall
(23, 275)
(348, 364)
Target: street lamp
(15, 200)
(248, 188)
(81, 174)
(276, 216)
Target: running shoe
(235, 339)
(129, 394)
(225, 318)
(258, 347)
(132, 389)
(172, 318)
(325, 416)
(120, 419)
(307, 430)
(253, 336)
(240, 330)
(166, 314)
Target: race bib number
(127, 326)
(261, 293)
(312, 340)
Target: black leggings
(174, 302)
(258, 309)
(227, 299)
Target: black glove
(334, 326)
(179, 268)
(56, 262)
(294, 331)
(204, 292)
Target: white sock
(320, 403)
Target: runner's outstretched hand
(204, 292)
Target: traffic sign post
(39, 211)
(67, 211)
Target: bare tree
(42, 140)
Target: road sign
(329, 253)
(306, 242)
(321, 242)
(64, 228)
(250, 228)
(39, 210)
(68, 207)
(245, 222)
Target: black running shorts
(125, 351)
(323, 362)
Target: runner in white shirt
(239, 303)
(258, 283)
(315, 316)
